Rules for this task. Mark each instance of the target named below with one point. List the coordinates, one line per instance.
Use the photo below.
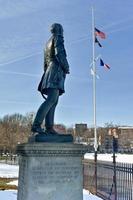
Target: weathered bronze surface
(52, 82)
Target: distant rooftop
(125, 127)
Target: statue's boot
(39, 130)
(50, 130)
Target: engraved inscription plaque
(46, 172)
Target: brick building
(80, 129)
(60, 128)
(126, 138)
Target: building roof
(125, 127)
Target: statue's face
(56, 29)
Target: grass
(2, 158)
(4, 186)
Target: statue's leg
(52, 98)
(49, 119)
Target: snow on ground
(88, 196)
(13, 183)
(8, 171)
(12, 195)
(121, 158)
(8, 195)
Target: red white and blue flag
(103, 64)
(100, 33)
(96, 41)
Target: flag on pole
(94, 74)
(100, 33)
(96, 41)
(103, 64)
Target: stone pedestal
(50, 171)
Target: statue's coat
(55, 65)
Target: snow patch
(8, 195)
(121, 158)
(8, 171)
(12, 195)
(13, 183)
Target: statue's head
(56, 29)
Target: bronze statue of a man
(52, 83)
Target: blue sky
(24, 32)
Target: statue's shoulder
(49, 43)
(58, 40)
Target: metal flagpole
(94, 95)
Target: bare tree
(14, 129)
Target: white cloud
(19, 73)
(19, 59)
(15, 8)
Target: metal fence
(102, 183)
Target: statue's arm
(61, 53)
